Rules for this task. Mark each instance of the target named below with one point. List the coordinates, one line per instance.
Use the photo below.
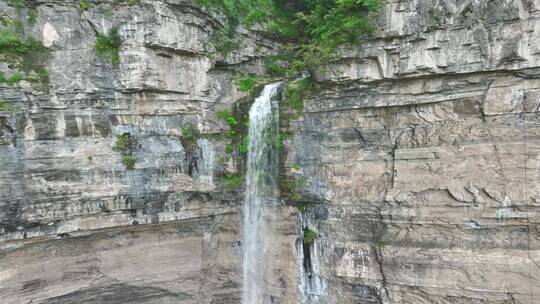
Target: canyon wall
(418, 155)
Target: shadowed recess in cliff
(260, 197)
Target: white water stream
(260, 197)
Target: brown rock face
(419, 155)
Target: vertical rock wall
(76, 226)
(421, 151)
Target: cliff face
(419, 152)
(424, 147)
(75, 224)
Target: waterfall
(260, 197)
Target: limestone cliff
(418, 155)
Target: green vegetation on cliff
(84, 5)
(247, 83)
(124, 145)
(232, 182)
(190, 134)
(108, 46)
(237, 132)
(313, 29)
(13, 44)
(323, 25)
(25, 54)
(128, 161)
(7, 106)
(296, 91)
(309, 236)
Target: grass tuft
(232, 182)
(128, 161)
(247, 83)
(84, 5)
(13, 44)
(6, 106)
(296, 92)
(309, 236)
(122, 143)
(108, 46)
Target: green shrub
(284, 28)
(291, 192)
(108, 46)
(84, 5)
(6, 106)
(42, 74)
(309, 236)
(290, 188)
(295, 68)
(27, 52)
(224, 40)
(13, 44)
(244, 144)
(241, 11)
(5, 20)
(12, 79)
(232, 182)
(301, 207)
(296, 92)
(190, 134)
(274, 69)
(229, 118)
(328, 24)
(129, 161)
(314, 28)
(246, 84)
(122, 143)
(237, 132)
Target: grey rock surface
(75, 225)
(420, 151)
(425, 146)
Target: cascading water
(260, 197)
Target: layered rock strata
(419, 151)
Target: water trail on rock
(260, 197)
(312, 284)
